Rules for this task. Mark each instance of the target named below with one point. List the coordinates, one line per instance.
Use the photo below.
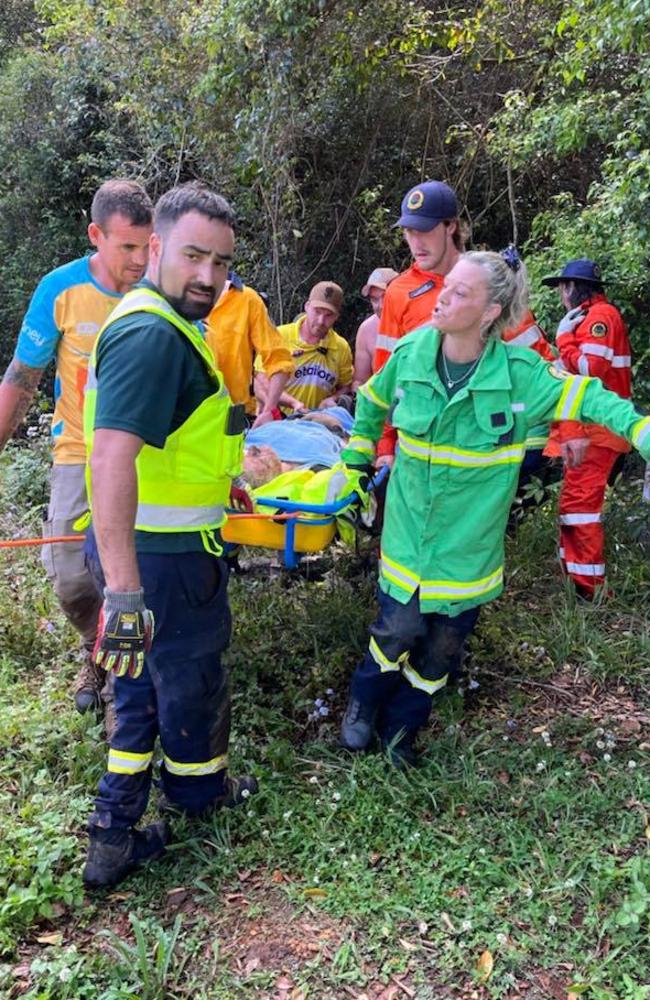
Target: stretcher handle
(320, 508)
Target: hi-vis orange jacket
(408, 303)
(599, 346)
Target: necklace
(451, 383)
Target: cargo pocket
(415, 408)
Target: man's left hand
(327, 402)
(125, 632)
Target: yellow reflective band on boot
(416, 680)
(127, 762)
(568, 405)
(382, 661)
(200, 767)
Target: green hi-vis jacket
(184, 486)
(456, 470)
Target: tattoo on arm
(16, 393)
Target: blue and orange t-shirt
(62, 321)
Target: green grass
(524, 832)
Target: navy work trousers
(411, 655)
(182, 695)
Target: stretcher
(295, 528)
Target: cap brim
(552, 281)
(325, 305)
(422, 223)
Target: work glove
(240, 499)
(359, 478)
(573, 318)
(125, 632)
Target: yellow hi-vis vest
(184, 486)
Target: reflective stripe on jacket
(457, 466)
(184, 486)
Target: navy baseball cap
(426, 205)
(581, 269)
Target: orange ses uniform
(598, 347)
(408, 303)
(529, 334)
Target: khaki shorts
(65, 563)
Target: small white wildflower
(552, 920)
(541, 766)
(318, 702)
(607, 757)
(570, 883)
(329, 692)
(353, 858)
(323, 710)
(600, 744)
(249, 812)
(474, 685)
(313, 780)
(288, 814)
(245, 793)
(416, 835)
(631, 764)
(65, 974)
(336, 796)
(506, 739)
(481, 850)
(528, 892)
(316, 879)
(466, 925)
(502, 938)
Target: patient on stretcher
(312, 441)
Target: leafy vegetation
(314, 118)
(522, 837)
(514, 861)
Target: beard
(190, 308)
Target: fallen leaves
(484, 966)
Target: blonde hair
(506, 286)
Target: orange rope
(16, 543)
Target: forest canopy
(315, 116)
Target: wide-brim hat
(580, 269)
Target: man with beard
(164, 443)
(323, 359)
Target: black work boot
(88, 686)
(113, 854)
(399, 751)
(237, 791)
(358, 725)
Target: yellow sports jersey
(239, 331)
(64, 317)
(320, 368)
